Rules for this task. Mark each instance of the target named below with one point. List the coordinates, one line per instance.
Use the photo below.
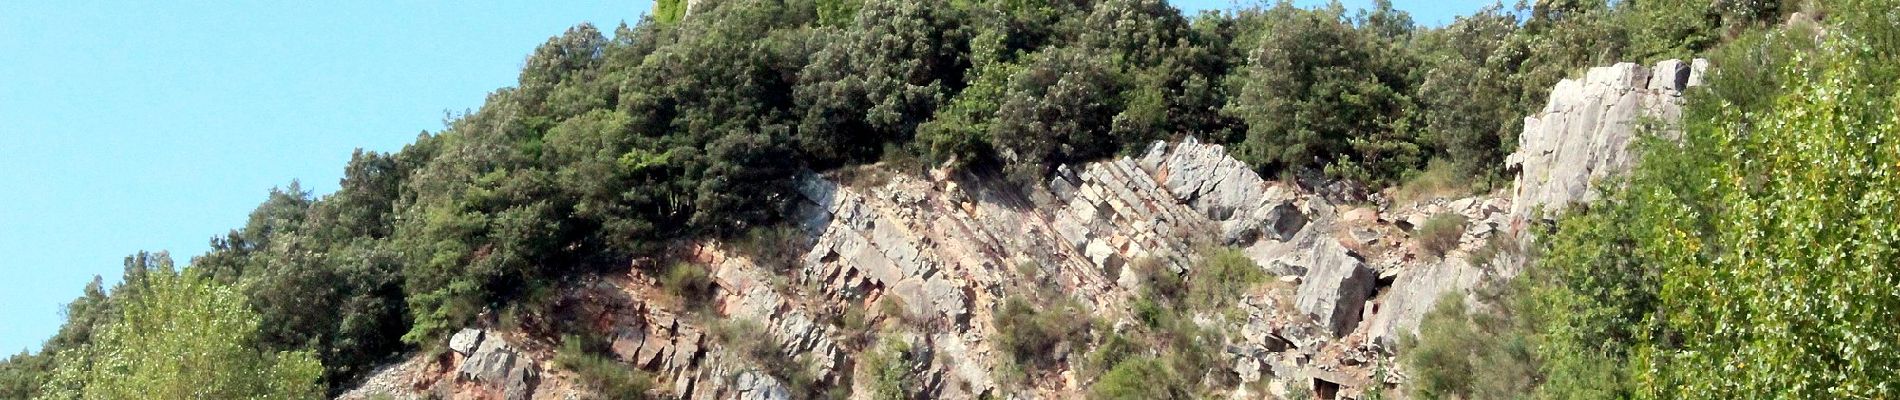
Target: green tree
(1058, 109)
(875, 82)
(1467, 102)
(183, 336)
(1325, 95)
(1735, 261)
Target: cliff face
(1583, 134)
(937, 255)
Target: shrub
(1032, 336)
(1113, 350)
(1472, 355)
(1439, 179)
(1138, 378)
(890, 368)
(1159, 279)
(607, 378)
(744, 337)
(1148, 360)
(1324, 94)
(1440, 233)
(1057, 110)
(1439, 359)
(1493, 247)
(776, 247)
(690, 283)
(1223, 277)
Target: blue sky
(128, 126)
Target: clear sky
(134, 125)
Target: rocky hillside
(930, 260)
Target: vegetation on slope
(1753, 258)
(612, 148)
(178, 335)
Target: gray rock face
(1225, 190)
(754, 385)
(489, 363)
(952, 246)
(1336, 286)
(521, 383)
(1583, 133)
(1283, 220)
(464, 342)
(1413, 294)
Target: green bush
(1223, 276)
(1113, 349)
(1440, 233)
(1469, 100)
(1031, 334)
(1138, 378)
(605, 377)
(1058, 109)
(1329, 93)
(1158, 279)
(1439, 179)
(890, 368)
(1459, 354)
(689, 282)
(1716, 266)
(745, 338)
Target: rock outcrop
(947, 250)
(1583, 134)
(1580, 137)
(480, 364)
(1335, 289)
(938, 254)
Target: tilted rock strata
(951, 249)
(1349, 280)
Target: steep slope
(929, 260)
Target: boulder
(1336, 286)
(1413, 294)
(1283, 220)
(521, 382)
(626, 342)
(685, 348)
(1224, 190)
(465, 341)
(1671, 75)
(489, 363)
(755, 385)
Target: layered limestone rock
(1579, 138)
(480, 364)
(1583, 134)
(940, 253)
(1225, 190)
(1421, 281)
